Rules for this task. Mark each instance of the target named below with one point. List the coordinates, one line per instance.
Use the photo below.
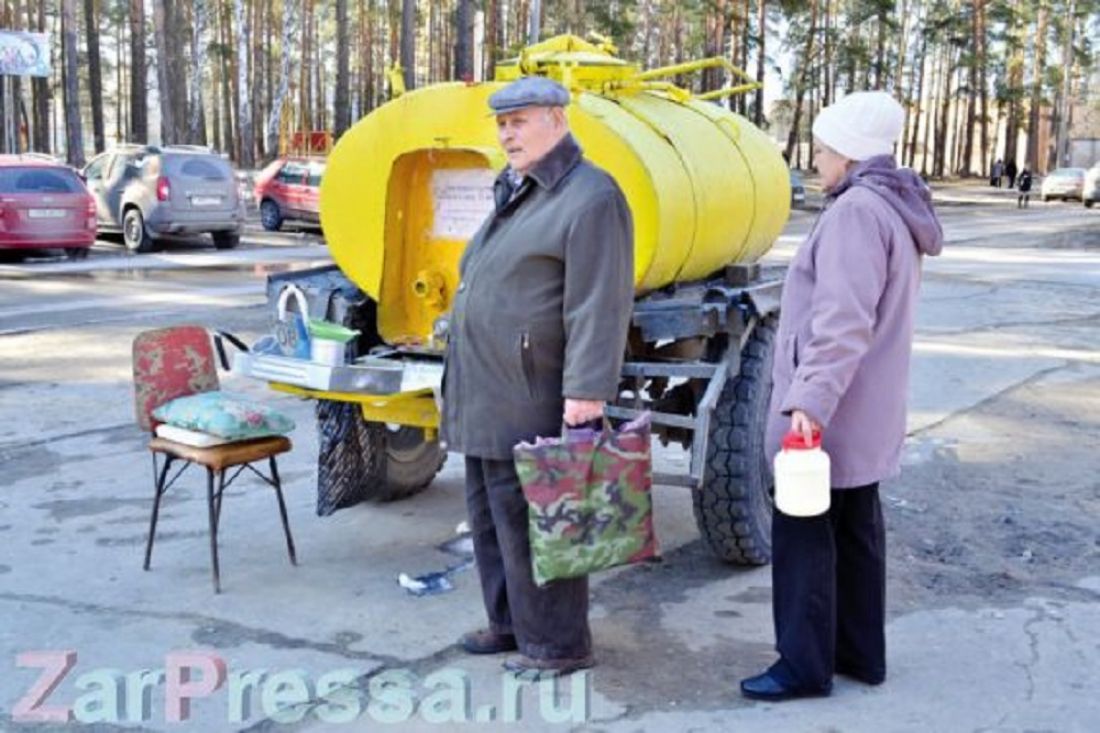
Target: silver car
(148, 192)
(1063, 183)
(1090, 194)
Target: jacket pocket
(527, 362)
(789, 353)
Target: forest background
(981, 80)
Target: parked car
(148, 192)
(1090, 191)
(1063, 183)
(288, 189)
(798, 191)
(44, 205)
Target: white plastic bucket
(802, 485)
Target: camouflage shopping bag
(589, 502)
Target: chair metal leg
(218, 500)
(282, 510)
(213, 527)
(158, 485)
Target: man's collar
(554, 165)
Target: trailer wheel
(733, 509)
(411, 462)
(366, 461)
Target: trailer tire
(733, 509)
(411, 462)
(366, 461)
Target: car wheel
(77, 253)
(226, 240)
(270, 216)
(134, 235)
(1045, 198)
(1089, 203)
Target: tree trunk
(1015, 83)
(806, 63)
(164, 83)
(40, 88)
(256, 71)
(930, 115)
(120, 112)
(903, 45)
(178, 39)
(342, 118)
(983, 88)
(464, 58)
(972, 95)
(215, 104)
(1061, 144)
(196, 132)
(880, 49)
(408, 42)
(74, 133)
(1038, 71)
(830, 72)
(939, 167)
(368, 55)
(918, 92)
(139, 120)
(758, 117)
(95, 80)
(290, 31)
(230, 139)
(244, 109)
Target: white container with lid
(802, 482)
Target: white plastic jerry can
(802, 482)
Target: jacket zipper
(528, 367)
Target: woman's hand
(804, 425)
(581, 411)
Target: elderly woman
(842, 369)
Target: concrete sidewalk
(994, 591)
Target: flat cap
(529, 91)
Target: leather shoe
(536, 668)
(487, 641)
(768, 687)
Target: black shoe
(860, 675)
(487, 641)
(766, 687)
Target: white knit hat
(861, 125)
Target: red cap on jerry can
(795, 441)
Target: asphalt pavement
(994, 569)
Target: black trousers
(549, 622)
(829, 591)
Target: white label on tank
(462, 198)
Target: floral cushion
(225, 415)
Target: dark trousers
(829, 591)
(550, 622)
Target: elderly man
(537, 334)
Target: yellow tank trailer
(408, 185)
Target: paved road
(994, 590)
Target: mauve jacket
(846, 326)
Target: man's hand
(805, 425)
(581, 411)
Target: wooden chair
(177, 362)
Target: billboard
(24, 54)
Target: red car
(44, 205)
(288, 189)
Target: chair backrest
(170, 363)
